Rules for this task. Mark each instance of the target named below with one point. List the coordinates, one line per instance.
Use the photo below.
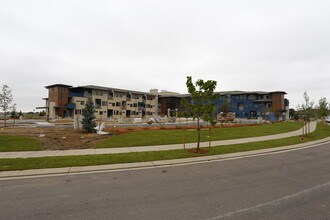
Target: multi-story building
(67, 101)
(270, 105)
(57, 101)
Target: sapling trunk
(199, 133)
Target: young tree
(307, 112)
(322, 109)
(13, 112)
(88, 122)
(307, 108)
(202, 104)
(5, 100)
(225, 107)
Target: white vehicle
(327, 119)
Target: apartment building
(67, 101)
(268, 105)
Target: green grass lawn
(157, 137)
(18, 143)
(86, 160)
(161, 137)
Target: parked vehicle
(229, 117)
(327, 119)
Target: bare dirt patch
(58, 138)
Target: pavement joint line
(167, 163)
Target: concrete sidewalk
(31, 154)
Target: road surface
(290, 185)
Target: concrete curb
(7, 175)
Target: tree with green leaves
(322, 109)
(88, 122)
(13, 113)
(225, 107)
(202, 102)
(306, 110)
(5, 101)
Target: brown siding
(278, 101)
(163, 110)
(59, 95)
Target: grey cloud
(244, 45)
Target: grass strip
(18, 143)
(88, 160)
(161, 137)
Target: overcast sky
(146, 44)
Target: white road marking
(271, 203)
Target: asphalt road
(291, 185)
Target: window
(240, 106)
(104, 103)
(97, 103)
(117, 104)
(77, 111)
(82, 102)
(100, 113)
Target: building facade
(67, 101)
(268, 105)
